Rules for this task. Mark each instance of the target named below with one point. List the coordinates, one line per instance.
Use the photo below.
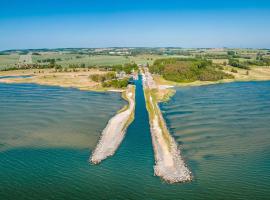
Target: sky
(28, 24)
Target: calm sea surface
(47, 134)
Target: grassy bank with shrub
(109, 80)
(188, 70)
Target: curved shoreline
(114, 132)
(169, 165)
(255, 74)
(79, 79)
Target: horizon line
(150, 47)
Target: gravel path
(169, 164)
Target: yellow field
(79, 79)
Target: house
(121, 75)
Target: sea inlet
(46, 133)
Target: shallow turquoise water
(48, 117)
(4, 77)
(224, 130)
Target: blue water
(25, 76)
(224, 130)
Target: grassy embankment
(131, 89)
(163, 95)
(124, 96)
(153, 110)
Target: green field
(89, 60)
(8, 60)
(119, 56)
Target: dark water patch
(24, 76)
(210, 157)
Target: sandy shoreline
(78, 79)
(115, 130)
(254, 74)
(169, 164)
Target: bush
(57, 67)
(234, 70)
(110, 76)
(97, 77)
(231, 53)
(236, 63)
(103, 77)
(126, 68)
(220, 67)
(116, 83)
(259, 62)
(36, 54)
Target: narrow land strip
(169, 164)
(242, 75)
(115, 130)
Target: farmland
(8, 60)
(222, 58)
